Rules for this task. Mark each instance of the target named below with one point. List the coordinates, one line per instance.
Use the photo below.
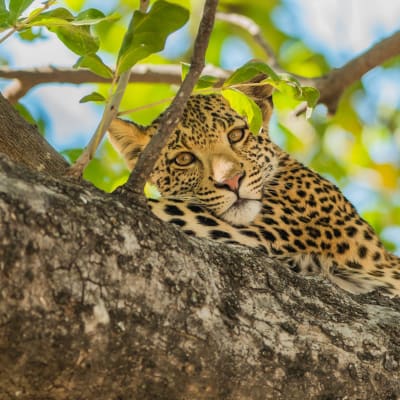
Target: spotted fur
(221, 182)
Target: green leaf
(77, 38)
(39, 122)
(151, 191)
(71, 154)
(61, 17)
(147, 33)
(94, 96)
(291, 87)
(93, 16)
(25, 113)
(95, 64)
(4, 15)
(206, 81)
(249, 71)
(37, 11)
(245, 107)
(29, 35)
(56, 17)
(90, 13)
(288, 88)
(17, 7)
(49, 22)
(310, 95)
(184, 70)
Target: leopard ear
(261, 94)
(128, 139)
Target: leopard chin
(242, 212)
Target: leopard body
(221, 182)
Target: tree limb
(100, 300)
(109, 113)
(24, 80)
(332, 86)
(171, 117)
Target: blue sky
(338, 28)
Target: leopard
(220, 181)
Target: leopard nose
(231, 183)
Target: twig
(8, 34)
(144, 4)
(22, 24)
(110, 112)
(143, 73)
(332, 86)
(174, 112)
(254, 30)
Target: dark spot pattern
(177, 221)
(206, 220)
(217, 234)
(171, 209)
(303, 218)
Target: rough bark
(22, 143)
(100, 300)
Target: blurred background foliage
(358, 148)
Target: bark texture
(100, 300)
(23, 144)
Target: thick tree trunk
(100, 300)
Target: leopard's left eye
(235, 135)
(184, 159)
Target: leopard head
(211, 159)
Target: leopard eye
(184, 159)
(235, 135)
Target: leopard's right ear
(261, 94)
(129, 139)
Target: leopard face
(211, 159)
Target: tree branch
(332, 86)
(24, 80)
(174, 112)
(101, 300)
